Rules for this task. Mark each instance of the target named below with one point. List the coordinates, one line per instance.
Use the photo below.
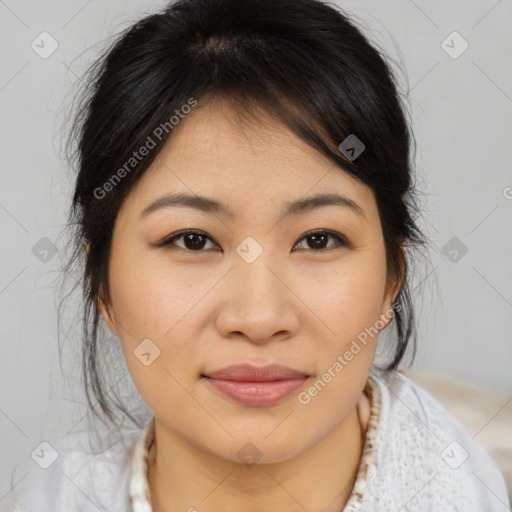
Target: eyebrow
(210, 205)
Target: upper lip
(251, 373)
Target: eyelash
(342, 242)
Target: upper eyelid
(179, 234)
(342, 239)
(168, 240)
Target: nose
(260, 305)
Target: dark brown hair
(303, 61)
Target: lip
(256, 386)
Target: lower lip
(257, 393)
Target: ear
(107, 313)
(393, 287)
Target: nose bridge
(256, 281)
(258, 304)
(254, 276)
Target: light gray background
(462, 111)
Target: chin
(251, 448)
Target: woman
(245, 215)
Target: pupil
(316, 238)
(191, 238)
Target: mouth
(255, 386)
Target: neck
(184, 477)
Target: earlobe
(388, 311)
(393, 290)
(107, 314)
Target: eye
(192, 240)
(196, 241)
(317, 240)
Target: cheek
(158, 302)
(348, 298)
(157, 306)
(151, 297)
(349, 302)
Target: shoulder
(425, 459)
(74, 479)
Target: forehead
(215, 152)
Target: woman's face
(254, 287)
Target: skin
(294, 305)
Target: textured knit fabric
(416, 457)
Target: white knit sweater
(416, 458)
